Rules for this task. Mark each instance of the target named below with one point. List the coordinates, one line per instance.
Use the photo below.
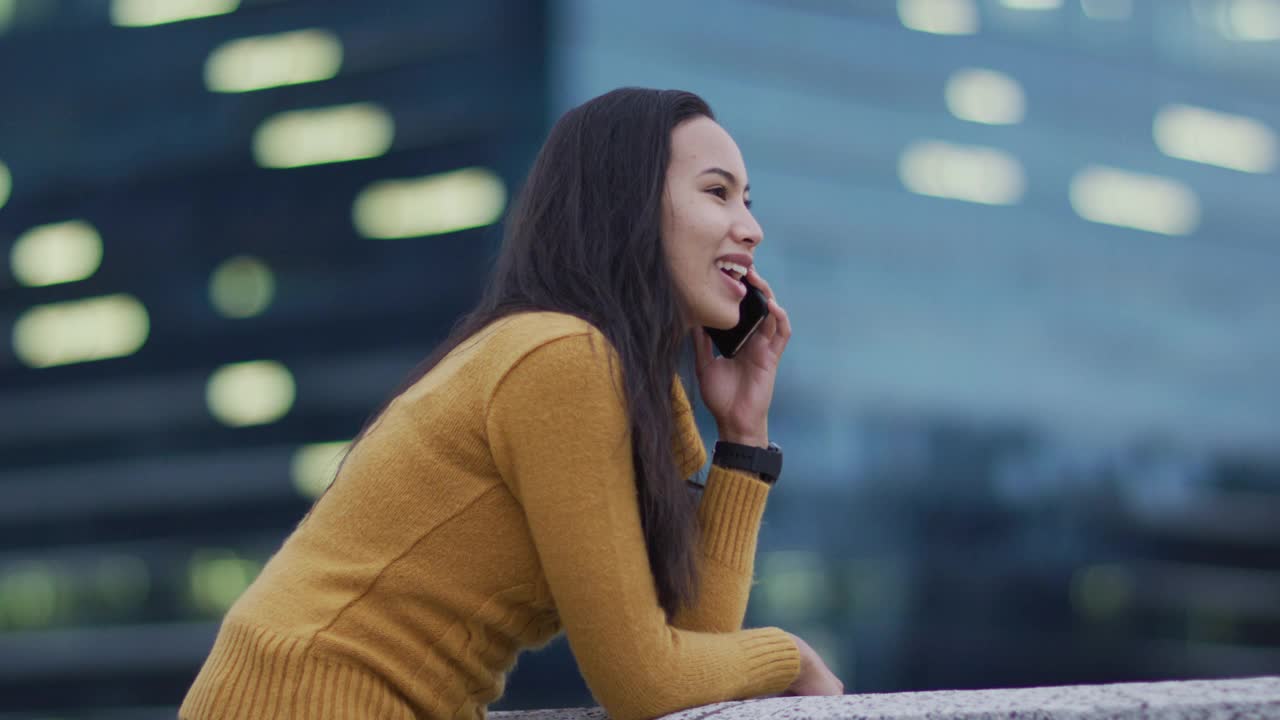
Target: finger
(770, 327)
(778, 340)
(784, 320)
(759, 282)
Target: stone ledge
(1238, 699)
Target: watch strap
(766, 462)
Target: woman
(530, 476)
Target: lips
(739, 289)
(738, 259)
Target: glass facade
(1028, 249)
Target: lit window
(6, 181)
(323, 135)
(1215, 138)
(1032, 4)
(431, 205)
(940, 17)
(143, 13)
(217, 577)
(241, 287)
(985, 96)
(290, 58)
(56, 253)
(80, 331)
(313, 466)
(1135, 200)
(962, 172)
(256, 392)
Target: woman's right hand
(814, 678)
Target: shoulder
(540, 326)
(555, 361)
(553, 341)
(522, 333)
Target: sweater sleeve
(729, 516)
(559, 435)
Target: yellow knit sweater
(491, 505)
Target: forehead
(700, 143)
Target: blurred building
(1029, 250)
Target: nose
(747, 231)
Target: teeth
(738, 271)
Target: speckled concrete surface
(1239, 699)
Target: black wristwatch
(767, 462)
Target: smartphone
(752, 311)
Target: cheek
(697, 223)
(676, 232)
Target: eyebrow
(733, 180)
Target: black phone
(752, 311)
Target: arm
(560, 438)
(729, 517)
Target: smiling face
(706, 215)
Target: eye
(721, 192)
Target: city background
(1030, 250)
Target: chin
(722, 320)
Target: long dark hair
(583, 238)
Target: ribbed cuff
(773, 660)
(729, 515)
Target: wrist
(751, 453)
(760, 440)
